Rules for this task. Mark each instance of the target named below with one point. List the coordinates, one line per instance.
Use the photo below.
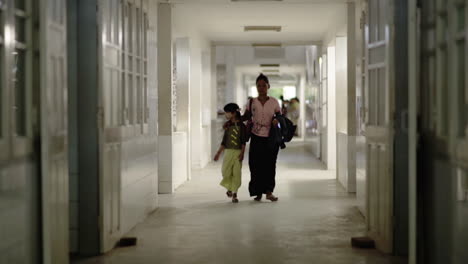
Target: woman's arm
(275, 121)
(241, 155)
(247, 115)
(248, 112)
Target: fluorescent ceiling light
(260, 45)
(269, 65)
(263, 28)
(257, 0)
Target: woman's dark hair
(262, 77)
(232, 108)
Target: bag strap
(250, 108)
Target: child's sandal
(234, 198)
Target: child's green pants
(232, 168)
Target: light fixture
(262, 28)
(269, 65)
(266, 45)
(256, 0)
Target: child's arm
(220, 150)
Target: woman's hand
(226, 125)
(275, 122)
(216, 157)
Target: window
(21, 64)
(135, 64)
(2, 62)
(145, 68)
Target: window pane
(461, 18)
(20, 29)
(128, 98)
(442, 90)
(138, 66)
(138, 31)
(1, 91)
(145, 33)
(462, 121)
(145, 100)
(373, 20)
(2, 103)
(382, 19)
(20, 92)
(108, 19)
(139, 105)
(382, 97)
(372, 97)
(116, 15)
(130, 28)
(131, 92)
(20, 4)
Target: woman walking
(262, 154)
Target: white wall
(301, 95)
(206, 108)
(341, 132)
(341, 85)
(200, 89)
(331, 95)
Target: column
(165, 98)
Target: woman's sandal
(234, 198)
(229, 194)
(272, 198)
(258, 198)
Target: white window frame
(135, 67)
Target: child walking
(233, 145)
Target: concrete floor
(312, 222)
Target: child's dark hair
(232, 108)
(262, 77)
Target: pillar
(165, 95)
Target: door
(112, 100)
(379, 133)
(362, 113)
(123, 113)
(54, 149)
(443, 147)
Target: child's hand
(241, 157)
(216, 157)
(275, 122)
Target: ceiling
(287, 75)
(303, 22)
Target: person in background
(294, 111)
